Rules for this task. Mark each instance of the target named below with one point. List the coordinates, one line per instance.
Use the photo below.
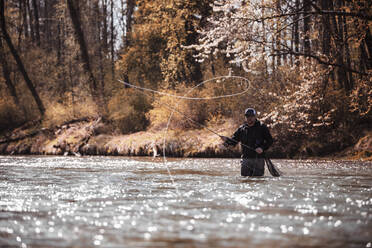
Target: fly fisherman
(255, 138)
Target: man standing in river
(255, 138)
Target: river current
(56, 201)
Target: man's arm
(233, 140)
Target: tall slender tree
(17, 58)
(75, 18)
(36, 20)
(6, 73)
(112, 40)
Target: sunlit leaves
(161, 30)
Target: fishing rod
(272, 169)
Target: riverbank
(94, 137)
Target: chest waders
(252, 167)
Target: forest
(306, 65)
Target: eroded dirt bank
(92, 137)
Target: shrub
(188, 113)
(361, 98)
(10, 116)
(58, 112)
(127, 111)
(184, 114)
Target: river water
(134, 202)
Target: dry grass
(58, 113)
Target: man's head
(250, 116)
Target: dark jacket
(256, 136)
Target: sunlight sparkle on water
(126, 202)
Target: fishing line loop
(194, 98)
(184, 97)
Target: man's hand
(259, 150)
(224, 139)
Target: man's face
(250, 120)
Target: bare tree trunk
(284, 57)
(340, 21)
(19, 61)
(81, 40)
(326, 38)
(6, 74)
(21, 25)
(31, 20)
(278, 35)
(19, 31)
(296, 35)
(24, 16)
(122, 16)
(306, 27)
(99, 42)
(37, 25)
(47, 22)
(131, 4)
(213, 69)
(273, 58)
(112, 42)
(75, 17)
(347, 55)
(195, 74)
(105, 26)
(338, 37)
(264, 39)
(59, 43)
(292, 45)
(366, 50)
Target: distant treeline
(309, 64)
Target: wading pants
(252, 167)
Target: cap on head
(250, 112)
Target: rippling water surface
(132, 202)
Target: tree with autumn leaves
(155, 54)
(316, 60)
(308, 63)
(57, 59)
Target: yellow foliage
(185, 113)
(127, 110)
(188, 113)
(57, 113)
(156, 54)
